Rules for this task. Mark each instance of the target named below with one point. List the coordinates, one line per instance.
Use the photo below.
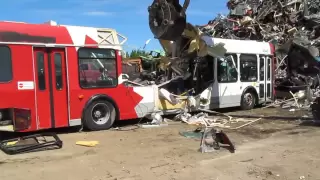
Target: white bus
(244, 78)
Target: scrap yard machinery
(187, 54)
(186, 51)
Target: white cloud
(98, 13)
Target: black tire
(248, 100)
(99, 109)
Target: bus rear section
(17, 90)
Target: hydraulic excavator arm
(167, 19)
(180, 40)
(185, 52)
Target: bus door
(262, 80)
(269, 80)
(249, 72)
(51, 87)
(265, 79)
(227, 77)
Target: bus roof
(51, 33)
(241, 46)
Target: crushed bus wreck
(242, 77)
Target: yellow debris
(87, 143)
(11, 143)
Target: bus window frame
(257, 64)
(11, 64)
(235, 62)
(116, 67)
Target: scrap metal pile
(293, 26)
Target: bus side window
(262, 69)
(102, 68)
(58, 70)
(41, 71)
(5, 64)
(227, 68)
(248, 68)
(269, 68)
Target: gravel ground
(272, 148)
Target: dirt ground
(266, 150)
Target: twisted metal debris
(268, 20)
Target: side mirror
(125, 76)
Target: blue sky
(128, 17)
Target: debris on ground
(225, 121)
(152, 125)
(298, 100)
(31, 143)
(212, 138)
(194, 134)
(87, 143)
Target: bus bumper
(8, 128)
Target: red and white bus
(55, 76)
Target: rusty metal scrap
(267, 20)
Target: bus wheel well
(101, 97)
(113, 103)
(249, 98)
(252, 90)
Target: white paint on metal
(240, 46)
(75, 122)
(147, 92)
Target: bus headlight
(1, 115)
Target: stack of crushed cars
(293, 26)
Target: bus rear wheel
(248, 100)
(100, 115)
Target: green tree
(138, 53)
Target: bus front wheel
(248, 100)
(100, 115)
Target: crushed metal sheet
(214, 121)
